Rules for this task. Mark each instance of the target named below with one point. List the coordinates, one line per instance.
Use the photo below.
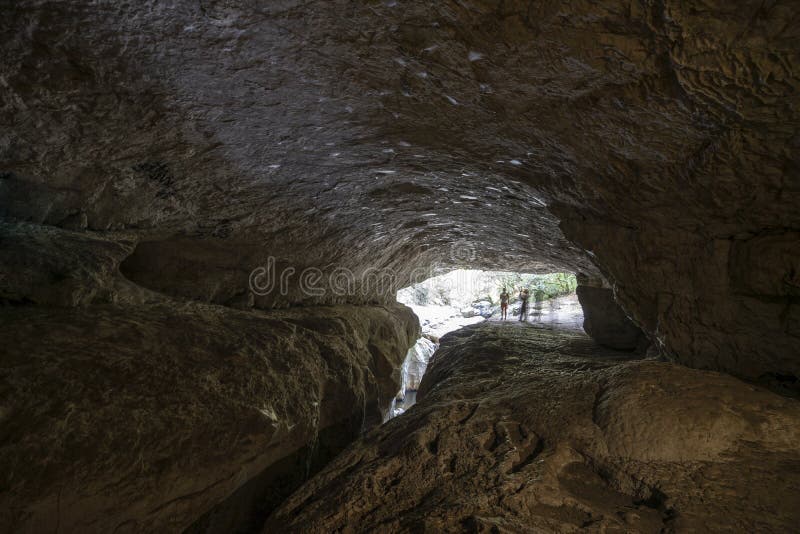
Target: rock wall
(733, 308)
(655, 143)
(519, 429)
(605, 321)
(123, 410)
(155, 155)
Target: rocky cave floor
(523, 428)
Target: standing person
(504, 305)
(523, 307)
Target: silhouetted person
(523, 307)
(504, 305)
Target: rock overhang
(645, 144)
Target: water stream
(413, 368)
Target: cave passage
(207, 210)
(462, 297)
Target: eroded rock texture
(519, 429)
(605, 321)
(153, 154)
(126, 411)
(663, 136)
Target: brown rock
(154, 155)
(142, 418)
(521, 429)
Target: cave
(207, 210)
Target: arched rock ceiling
(661, 135)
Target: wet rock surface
(519, 428)
(662, 138)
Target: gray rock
(606, 322)
(154, 155)
(190, 412)
(661, 138)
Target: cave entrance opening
(462, 297)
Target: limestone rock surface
(654, 143)
(122, 410)
(522, 429)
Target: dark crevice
(528, 460)
(246, 509)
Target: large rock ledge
(519, 429)
(143, 418)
